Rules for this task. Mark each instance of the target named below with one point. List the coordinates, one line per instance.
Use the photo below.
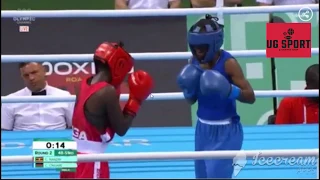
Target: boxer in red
(97, 115)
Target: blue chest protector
(215, 108)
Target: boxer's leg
(200, 169)
(199, 165)
(95, 170)
(85, 170)
(104, 170)
(67, 175)
(223, 137)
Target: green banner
(248, 32)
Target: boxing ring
(186, 134)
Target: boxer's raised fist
(188, 80)
(212, 82)
(140, 86)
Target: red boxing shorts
(89, 170)
(67, 175)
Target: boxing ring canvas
(172, 139)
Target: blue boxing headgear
(211, 39)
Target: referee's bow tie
(40, 93)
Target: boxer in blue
(214, 78)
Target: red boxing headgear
(119, 61)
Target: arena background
(79, 36)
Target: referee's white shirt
(286, 2)
(37, 116)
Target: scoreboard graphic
(60, 154)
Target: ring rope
(175, 155)
(137, 56)
(155, 12)
(154, 96)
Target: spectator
(301, 110)
(36, 116)
(213, 3)
(285, 2)
(147, 4)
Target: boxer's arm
(193, 100)
(120, 121)
(234, 70)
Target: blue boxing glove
(189, 79)
(212, 82)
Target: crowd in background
(57, 116)
(163, 4)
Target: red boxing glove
(140, 86)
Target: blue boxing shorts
(217, 136)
